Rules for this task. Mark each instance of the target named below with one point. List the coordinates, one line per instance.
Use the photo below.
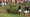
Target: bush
(0, 5)
(28, 3)
(13, 8)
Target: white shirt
(2, 3)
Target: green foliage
(13, 8)
(28, 3)
(22, 4)
(9, 15)
(0, 5)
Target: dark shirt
(19, 7)
(27, 8)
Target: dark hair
(19, 7)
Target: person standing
(19, 10)
(2, 3)
(26, 10)
(5, 2)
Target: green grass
(10, 15)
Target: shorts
(19, 10)
(26, 12)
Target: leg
(28, 14)
(20, 13)
(25, 13)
